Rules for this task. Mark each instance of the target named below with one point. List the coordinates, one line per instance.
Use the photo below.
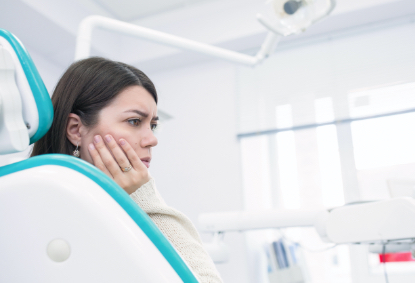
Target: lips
(146, 161)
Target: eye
(154, 127)
(134, 122)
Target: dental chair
(62, 219)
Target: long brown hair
(85, 89)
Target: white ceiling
(129, 10)
(48, 28)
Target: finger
(96, 158)
(106, 157)
(117, 152)
(132, 155)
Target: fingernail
(108, 138)
(122, 142)
(91, 146)
(97, 139)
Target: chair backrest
(63, 220)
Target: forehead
(134, 97)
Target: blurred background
(328, 119)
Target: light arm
(84, 38)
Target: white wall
(196, 164)
(49, 72)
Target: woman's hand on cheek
(103, 159)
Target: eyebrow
(145, 115)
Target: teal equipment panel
(40, 93)
(119, 195)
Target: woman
(105, 113)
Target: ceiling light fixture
(286, 17)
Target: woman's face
(131, 116)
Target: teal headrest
(39, 91)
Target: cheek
(116, 134)
(132, 138)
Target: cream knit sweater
(179, 230)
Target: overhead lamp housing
(286, 17)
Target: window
(328, 154)
(287, 159)
(384, 141)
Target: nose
(149, 139)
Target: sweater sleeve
(179, 230)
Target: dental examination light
(294, 16)
(289, 17)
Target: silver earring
(76, 151)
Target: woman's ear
(73, 129)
